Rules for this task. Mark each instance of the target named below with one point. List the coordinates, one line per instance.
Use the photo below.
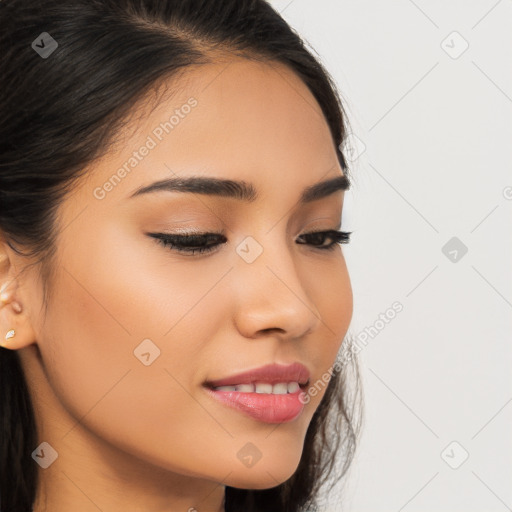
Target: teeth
(281, 388)
(225, 388)
(263, 387)
(245, 388)
(293, 386)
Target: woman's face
(135, 328)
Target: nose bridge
(270, 293)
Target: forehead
(237, 118)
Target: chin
(264, 477)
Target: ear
(15, 325)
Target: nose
(271, 295)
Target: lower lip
(264, 407)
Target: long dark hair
(60, 113)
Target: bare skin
(132, 437)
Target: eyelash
(177, 242)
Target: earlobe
(15, 338)
(13, 334)
(15, 326)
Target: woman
(174, 295)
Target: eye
(317, 237)
(201, 243)
(190, 243)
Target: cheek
(107, 304)
(103, 307)
(336, 300)
(331, 292)
(330, 289)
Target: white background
(435, 127)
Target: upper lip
(270, 373)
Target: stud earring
(10, 334)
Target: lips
(271, 374)
(267, 408)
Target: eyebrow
(240, 190)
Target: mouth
(273, 393)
